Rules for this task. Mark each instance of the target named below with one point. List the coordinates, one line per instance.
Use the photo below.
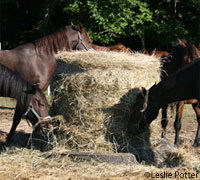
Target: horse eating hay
(31, 102)
(182, 85)
(181, 54)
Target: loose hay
(96, 100)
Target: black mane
(12, 85)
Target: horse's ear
(80, 27)
(31, 91)
(181, 43)
(33, 88)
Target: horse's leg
(196, 108)
(16, 121)
(164, 121)
(177, 123)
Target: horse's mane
(53, 43)
(192, 50)
(12, 85)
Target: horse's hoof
(177, 144)
(2, 147)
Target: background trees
(138, 24)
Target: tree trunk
(142, 39)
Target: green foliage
(111, 19)
(151, 24)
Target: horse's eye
(40, 104)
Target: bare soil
(23, 130)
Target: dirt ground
(23, 131)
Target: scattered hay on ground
(32, 164)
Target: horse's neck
(177, 87)
(6, 59)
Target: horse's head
(37, 113)
(143, 113)
(78, 37)
(183, 53)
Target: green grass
(188, 113)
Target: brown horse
(159, 54)
(182, 54)
(31, 102)
(181, 85)
(36, 62)
(118, 48)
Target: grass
(189, 114)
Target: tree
(139, 24)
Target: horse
(181, 85)
(159, 54)
(181, 54)
(31, 103)
(117, 47)
(36, 62)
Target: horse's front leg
(196, 108)
(16, 121)
(177, 123)
(164, 121)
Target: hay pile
(96, 95)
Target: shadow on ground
(23, 140)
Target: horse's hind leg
(16, 121)
(196, 108)
(177, 123)
(164, 121)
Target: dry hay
(32, 164)
(95, 98)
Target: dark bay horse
(181, 54)
(31, 102)
(36, 62)
(117, 47)
(181, 85)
